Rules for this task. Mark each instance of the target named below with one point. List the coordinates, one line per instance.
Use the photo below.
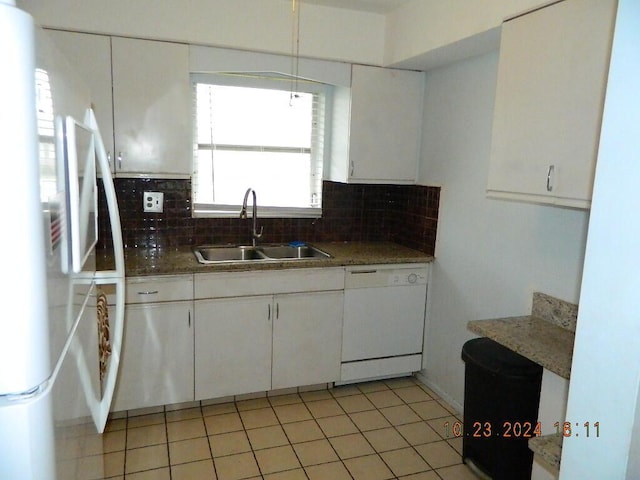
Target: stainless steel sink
(282, 252)
(218, 254)
(261, 253)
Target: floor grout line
(372, 392)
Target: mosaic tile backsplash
(405, 214)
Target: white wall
(427, 32)
(605, 375)
(258, 25)
(491, 255)
(421, 34)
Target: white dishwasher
(384, 316)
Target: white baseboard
(442, 394)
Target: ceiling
(374, 6)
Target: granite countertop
(545, 337)
(180, 260)
(549, 447)
(532, 337)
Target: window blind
(284, 151)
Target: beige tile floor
(381, 430)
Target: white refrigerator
(59, 344)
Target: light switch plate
(153, 202)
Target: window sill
(232, 211)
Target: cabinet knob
(549, 177)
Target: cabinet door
(307, 334)
(550, 91)
(152, 107)
(386, 124)
(90, 55)
(232, 346)
(157, 356)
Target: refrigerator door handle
(45, 387)
(9, 399)
(116, 277)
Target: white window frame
(269, 80)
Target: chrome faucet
(243, 214)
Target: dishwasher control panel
(385, 276)
(407, 278)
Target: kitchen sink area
(214, 254)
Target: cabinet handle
(153, 292)
(277, 311)
(119, 160)
(269, 311)
(352, 168)
(549, 175)
(109, 158)
(189, 318)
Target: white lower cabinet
(213, 335)
(232, 346)
(307, 336)
(157, 357)
(267, 330)
(156, 366)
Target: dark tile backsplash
(405, 214)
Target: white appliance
(383, 324)
(56, 383)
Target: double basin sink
(242, 253)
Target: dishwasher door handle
(360, 272)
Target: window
(46, 140)
(252, 132)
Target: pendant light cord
(295, 48)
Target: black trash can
(501, 397)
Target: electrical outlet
(153, 202)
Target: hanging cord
(295, 49)
(213, 147)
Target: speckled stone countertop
(549, 447)
(545, 337)
(180, 260)
(536, 339)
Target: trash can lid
(498, 359)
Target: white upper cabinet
(90, 55)
(552, 78)
(152, 108)
(141, 94)
(377, 127)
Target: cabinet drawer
(236, 284)
(159, 289)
